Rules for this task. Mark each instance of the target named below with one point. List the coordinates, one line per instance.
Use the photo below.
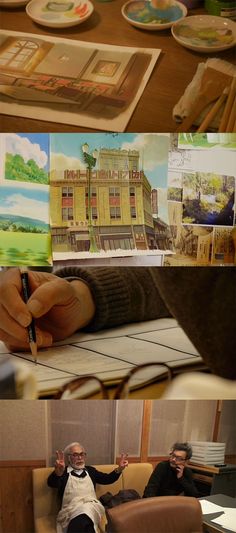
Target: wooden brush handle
(228, 107)
(212, 113)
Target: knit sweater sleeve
(121, 295)
(203, 300)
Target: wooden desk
(174, 69)
(224, 501)
(214, 480)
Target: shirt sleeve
(154, 484)
(103, 478)
(56, 482)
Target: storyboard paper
(109, 354)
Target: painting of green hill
(19, 170)
(29, 249)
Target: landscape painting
(201, 201)
(25, 237)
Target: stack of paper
(208, 453)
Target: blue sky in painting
(153, 149)
(30, 145)
(24, 202)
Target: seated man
(81, 511)
(172, 477)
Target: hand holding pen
(31, 326)
(58, 307)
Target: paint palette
(205, 33)
(153, 15)
(59, 13)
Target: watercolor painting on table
(111, 198)
(201, 202)
(25, 237)
(72, 82)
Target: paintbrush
(212, 85)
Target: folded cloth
(186, 104)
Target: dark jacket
(164, 482)
(59, 482)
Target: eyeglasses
(136, 380)
(77, 455)
(177, 458)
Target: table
(218, 499)
(174, 70)
(211, 480)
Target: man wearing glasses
(80, 510)
(173, 477)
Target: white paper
(228, 519)
(209, 507)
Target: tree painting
(208, 199)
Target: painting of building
(114, 201)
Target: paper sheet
(228, 519)
(109, 354)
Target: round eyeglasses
(137, 380)
(77, 455)
(177, 458)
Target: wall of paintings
(79, 196)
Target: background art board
(85, 84)
(24, 200)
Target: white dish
(13, 3)
(59, 13)
(141, 14)
(205, 33)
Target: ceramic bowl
(143, 15)
(205, 33)
(59, 13)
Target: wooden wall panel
(16, 496)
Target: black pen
(31, 327)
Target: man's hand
(179, 471)
(59, 307)
(123, 462)
(60, 463)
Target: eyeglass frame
(77, 382)
(77, 454)
(178, 459)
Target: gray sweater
(202, 299)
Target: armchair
(162, 514)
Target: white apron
(79, 497)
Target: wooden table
(174, 69)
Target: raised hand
(59, 463)
(123, 462)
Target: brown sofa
(45, 499)
(163, 514)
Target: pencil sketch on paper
(85, 84)
(24, 200)
(112, 201)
